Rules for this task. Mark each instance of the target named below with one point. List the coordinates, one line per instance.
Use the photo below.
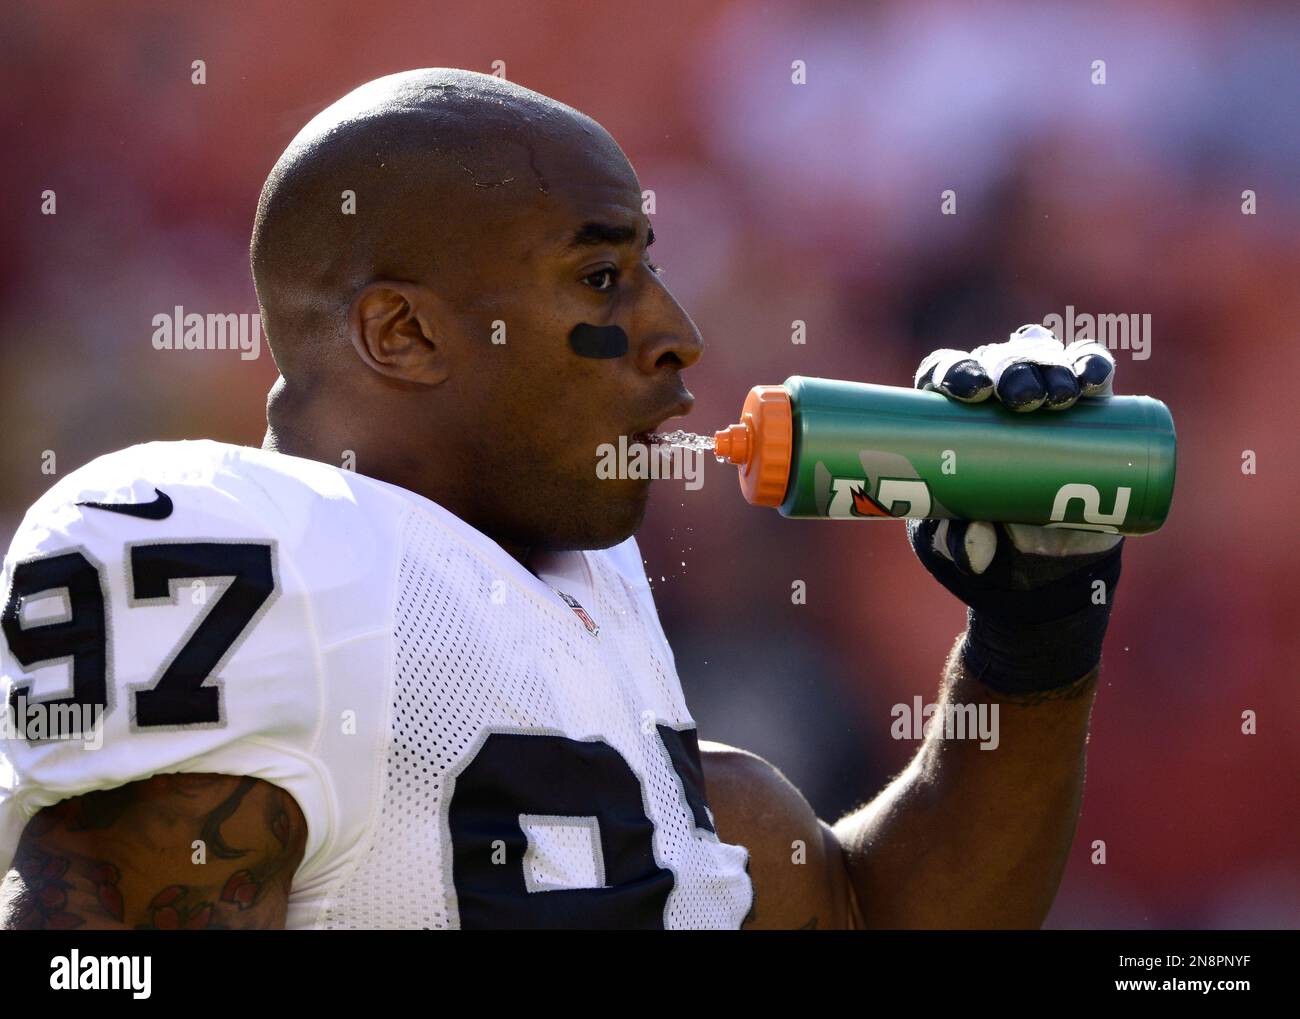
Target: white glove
(1031, 370)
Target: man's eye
(608, 273)
(653, 268)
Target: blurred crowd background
(776, 202)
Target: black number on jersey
(82, 636)
(179, 696)
(515, 774)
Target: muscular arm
(126, 858)
(971, 838)
(796, 865)
(962, 838)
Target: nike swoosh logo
(158, 509)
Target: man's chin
(612, 523)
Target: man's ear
(393, 328)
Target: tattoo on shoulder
(235, 845)
(210, 832)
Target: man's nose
(672, 339)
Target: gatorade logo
(895, 498)
(1093, 518)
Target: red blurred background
(776, 202)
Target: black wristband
(1015, 657)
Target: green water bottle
(826, 449)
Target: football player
(401, 668)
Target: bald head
(486, 321)
(408, 177)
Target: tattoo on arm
(210, 832)
(174, 852)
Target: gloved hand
(1037, 616)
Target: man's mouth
(647, 434)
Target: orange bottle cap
(761, 444)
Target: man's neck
(292, 442)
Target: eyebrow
(594, 233)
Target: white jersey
(471, 746)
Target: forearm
(971, 837)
